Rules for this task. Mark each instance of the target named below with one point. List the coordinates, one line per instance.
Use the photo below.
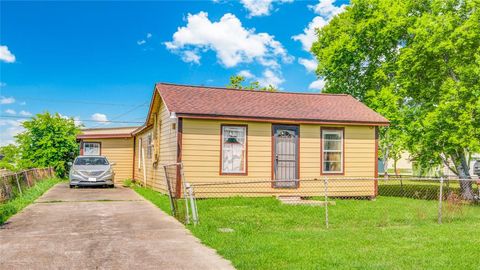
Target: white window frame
(339, 132)
(99, 147)
(224, 129)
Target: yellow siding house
(223, 135)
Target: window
(149, 146)
(332, 151)
(91, 149)
(101, 161)
(234, 148)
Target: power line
(81, 120)
(87, 102)
(125, 113)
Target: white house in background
(405, 165)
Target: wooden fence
(14, 184)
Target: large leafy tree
(358, 54)
(48, 140)
(418, 63)
(439, 70)
(10, 158)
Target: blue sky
(98, 61)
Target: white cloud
(10, 128)
(317, 85)
(23, 103)
(309, 64)
(100, 117)
(25, 113)
(191, 56)
(260, 7)
(270, 77)
(7, 100)
(10, 111)
(6, 55)
(143, 41)
(246, 74)
(309, 34)
(76, 119)
(327, 9)
(232, 43)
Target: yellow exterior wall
(120, 151)
(165, 149)
(201, 160)
(141, 144)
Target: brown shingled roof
(211, 102)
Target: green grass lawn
(14, 206)
(387, 233)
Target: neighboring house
(223, 135)
(114, 143)
(406, 166)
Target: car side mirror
(69, 163)
(112, 163)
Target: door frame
(273, 154)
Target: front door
(285, 156)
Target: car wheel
(111, 186)
(72, 186)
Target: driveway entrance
(100, 229)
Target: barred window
(234, 148)
(332, 151)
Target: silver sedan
(91, 171)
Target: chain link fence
(353, 202)
(180, 194)
(14, 184)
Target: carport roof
(105, 133)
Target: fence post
(440, 199)
(25, 175)
(325, 182)
(18, 184)
(169, 189)
(35, 176)
(193, 205)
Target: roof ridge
(234, 89)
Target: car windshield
(91, 161)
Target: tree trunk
(385, 162)
(395, 167)
(464, 175)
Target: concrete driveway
(100, 229)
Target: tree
(439, 70)
(426, 54)
(10, 158)
(236, 82)
(358, 54)
(48, 140)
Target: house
(224, 134)
(114, 143)
(406, 166)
